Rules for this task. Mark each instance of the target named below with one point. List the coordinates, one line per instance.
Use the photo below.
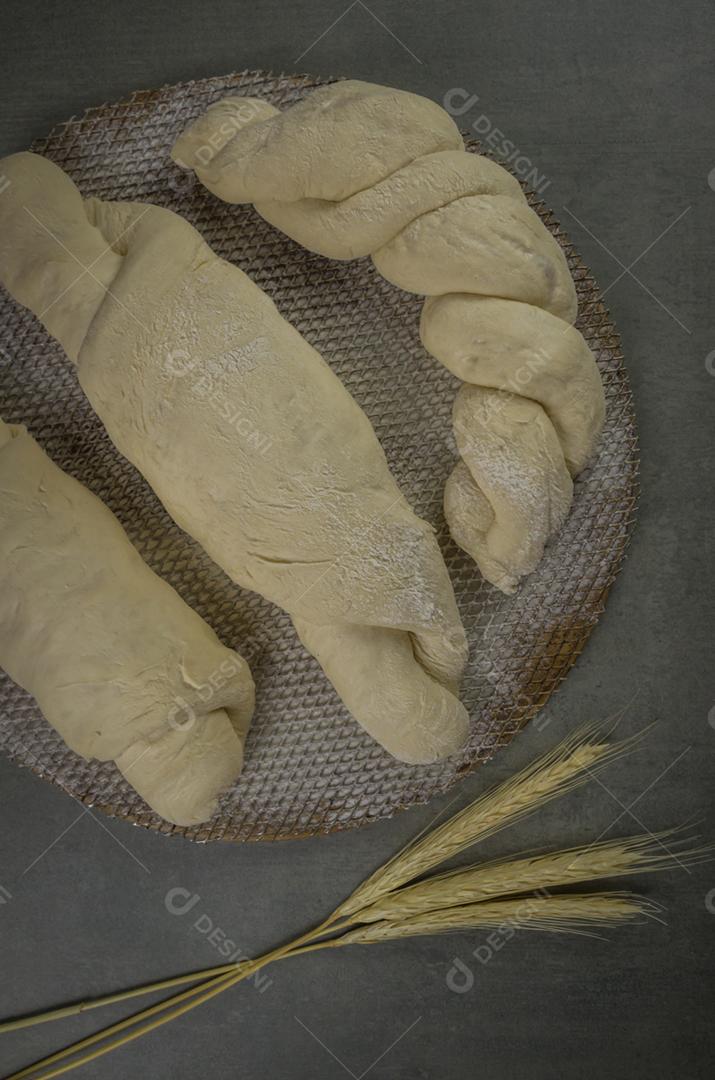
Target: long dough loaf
(118, 663)
(253, 445)
(356, 169)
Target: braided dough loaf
(119, 664)
(186, 360)
(356, 169)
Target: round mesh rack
(309, 767)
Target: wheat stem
(210, 989)
(112, 999)
(203, 992)
(147, 988)
(81, 1044)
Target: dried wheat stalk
(382, 908)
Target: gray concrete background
(613, 103)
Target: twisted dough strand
(356, 169)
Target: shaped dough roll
(253, 445)
(118, 663)
(356, 169)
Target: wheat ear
(556, 913)
(485, 881)
(570, 764)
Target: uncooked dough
(118, 663)
(251, 442)
(357, 169)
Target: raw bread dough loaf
(253, 445)
(118, 663)
(356, 169)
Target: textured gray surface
(611, 103)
